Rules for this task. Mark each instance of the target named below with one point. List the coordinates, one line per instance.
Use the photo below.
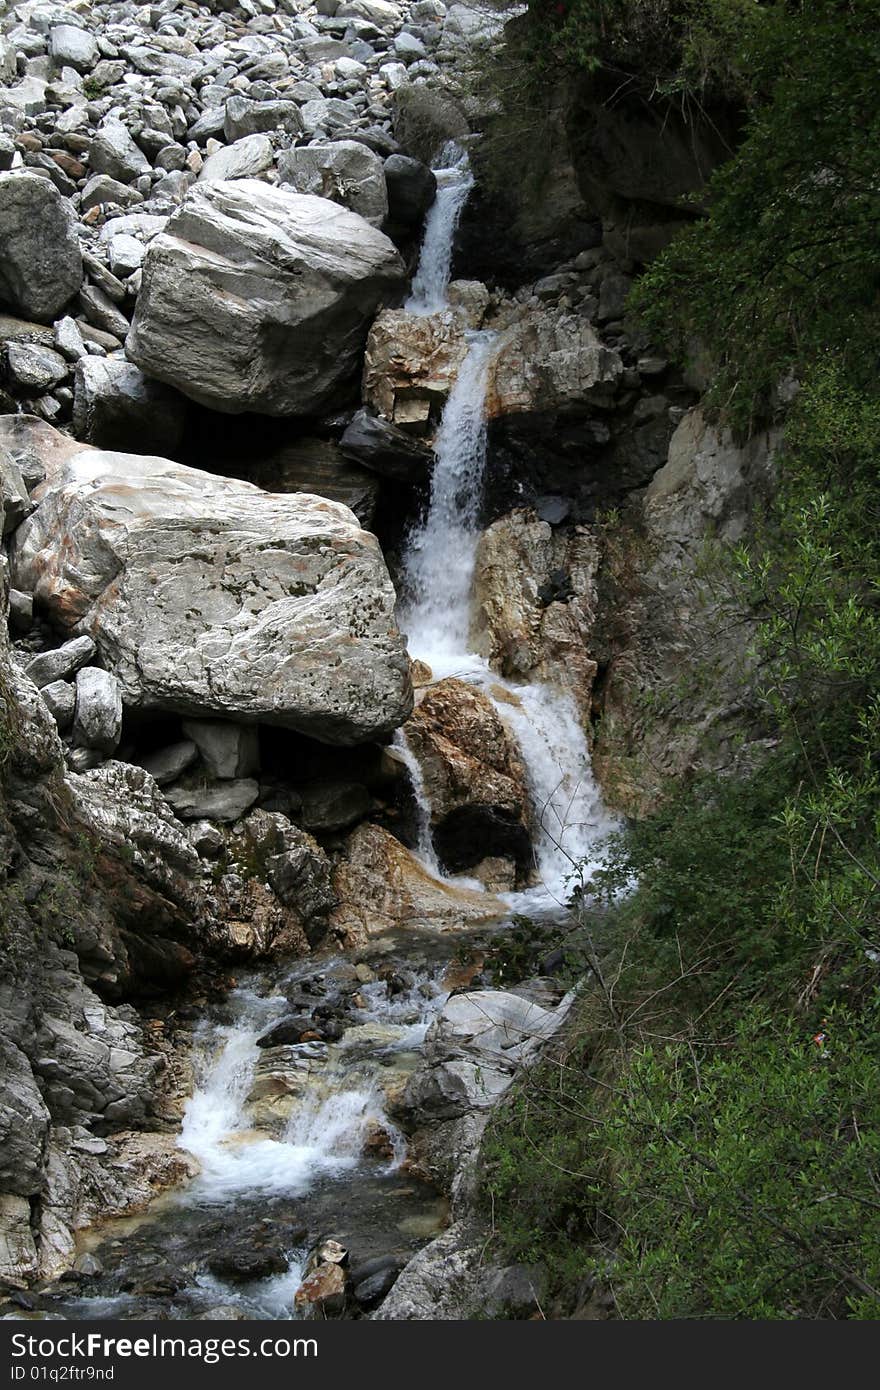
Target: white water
(454, 183)
(435, 615)
(439, 564)
(424, 850)
(326, 1133)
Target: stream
(293, 1154)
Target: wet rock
(241, 1264)
(61, 662)
(474, 779)
(294, 620)
(293, 864)
(385, 449)
(322, 1293)
(236, 248)
(40, 258)
(412, 361)
(288, 1029)
(535, 602)
(344, 171)
(116, 406)
(411, 190)
(380, 885)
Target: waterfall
(454, 183)
(438, 570)
(424, 843)
(439, 563)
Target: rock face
(473, 777)
(379, 886)
(40, 260)
(412, 361)
(535, 602)
(549, 360)
(207, 596)
(258, 298)
(663, 623)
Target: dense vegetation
(709, 1143)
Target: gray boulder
(259, 299)
(246, 117)
(251, 155)
(97, 720)
(169, 763)
(224, 801)
(60, 700)
(35, 368)
(345, 172)
(114, 152)
(116, 407)
(72, 47)
(208, 597)
(60, 663)
(40, 258)
(227, 750)
(14, 501)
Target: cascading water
(454, 183)
(435, 613)
(439, 564)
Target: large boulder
(552, 360)
(40, 258)
(345, 171)
(381, 887)
(259, 298)
(207, 596)
(413, 360)
(473, 777)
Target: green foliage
(784, 270)
(750, 1181)
(680, 47)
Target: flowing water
(454, 183)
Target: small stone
(60, 699)
(98, 718)
(35, 368)
(69, 340)
(61, 661)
